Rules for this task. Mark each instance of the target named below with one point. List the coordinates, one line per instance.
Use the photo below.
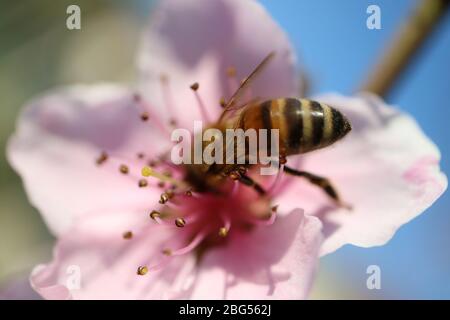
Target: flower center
(209, 218)
(205, 219)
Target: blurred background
(37, 52)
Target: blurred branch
(404, 46)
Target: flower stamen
(164, 198)
(102, 158)
(200, 103)
(180, 222)
(142, 270)
(145, 114)
(159, 221)
(124, 169)
(264, 222)
(192, 245)
(194, 86)
(155, 214)
(164, 79)
(223, 231)
(142, 183)
(149, 171)
(127, 235)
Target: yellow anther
(164, 198)
(124, 169)
(127, 235)
(180, 222)
(142, 183)
(142, 270)
(149, 171)
(223, 232)
(154, 214)
(195, 86)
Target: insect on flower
(96, 162)
(303, 125)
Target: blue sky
(337, 49)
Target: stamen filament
(264, 222)
(194, 243)
(146, 115)
(223, 231)
(158, 266)
(160, 221)
(200, 103)
(168, 97)
(148, 171)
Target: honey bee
(304, 125)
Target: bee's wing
(236, 123)
(232, 103)
(251, 103)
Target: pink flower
(203, 245)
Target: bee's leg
(321, 182)
(251, 183)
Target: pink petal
(386, 168)
(276, 262)
(58, 138)
(197, 40)
(107, 264)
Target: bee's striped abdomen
(318, 117)
(303, 124)
(311, 125)
(293, 123)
